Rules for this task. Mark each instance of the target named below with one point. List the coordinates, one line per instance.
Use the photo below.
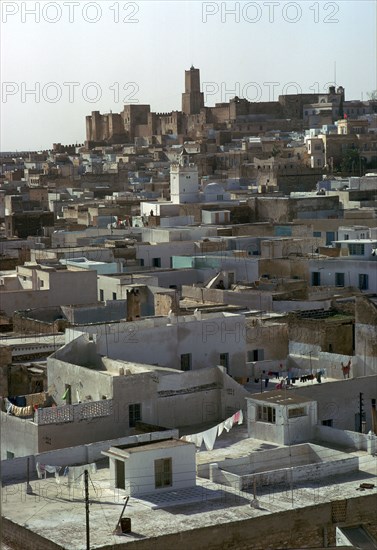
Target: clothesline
(15, 410)
(74, 474)
(28, 399)
(42, 470)
(24, 405)
(209, 436)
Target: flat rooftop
(125, 450)
(33, 340)
(280, 398)
(57, 512)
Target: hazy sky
(80, 56)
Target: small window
(328, 422)
(186, 361)
(317, 233)
(339, 279)
(156, 262)
(101, 295)
(134, 414)
(10, 455)
(163, 473)
(255, 355)
(297, 411)
(114, 295)
(224, 360)
(266, 414)
(356, 249)
(316, 278)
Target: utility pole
(29, 490)
(361, 412)
(87, 508)
(310, 362)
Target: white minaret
(184, 181)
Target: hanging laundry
(237, 417)
(21, 411)
(41, 471)
(209, 437)
(220, 428)
(65, 394)
(197, 439)
(35, 399)
(228, 424)
(52, 469)
(57, 474)
(76, 474)
(18, 400)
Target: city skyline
(77, 75)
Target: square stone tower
(192, 98)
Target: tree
(350, 161)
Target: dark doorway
(119, 473)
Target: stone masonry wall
(312, 526)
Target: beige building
(38, 286)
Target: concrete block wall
(16, 469)
(17, 434)
(339, 400)
(309, 472)
(217, 475)
(346, 438)
(252, 299)
(263, 461)
(311, 526)
(332, 363)
(282, 306)
(19, 537)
